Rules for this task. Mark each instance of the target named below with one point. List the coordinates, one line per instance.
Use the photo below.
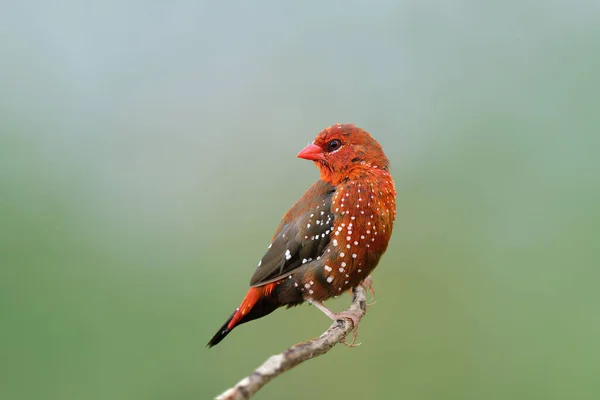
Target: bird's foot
(341, 316)
(367, 284)
(351, 316)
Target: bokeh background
(147, 153)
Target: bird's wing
(301, 237)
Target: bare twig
(298, 353)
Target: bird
(333, 237)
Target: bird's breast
(364, 212)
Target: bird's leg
(367, 284)
(341, 315)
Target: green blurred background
(147, 153)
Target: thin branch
(298, 353)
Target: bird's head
(340, 150)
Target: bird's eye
(334, 145)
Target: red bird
(333, 237)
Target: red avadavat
(335, 234)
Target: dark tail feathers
(264, 306)
(221, 333)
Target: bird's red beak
(311, 152)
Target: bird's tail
(256, 304)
